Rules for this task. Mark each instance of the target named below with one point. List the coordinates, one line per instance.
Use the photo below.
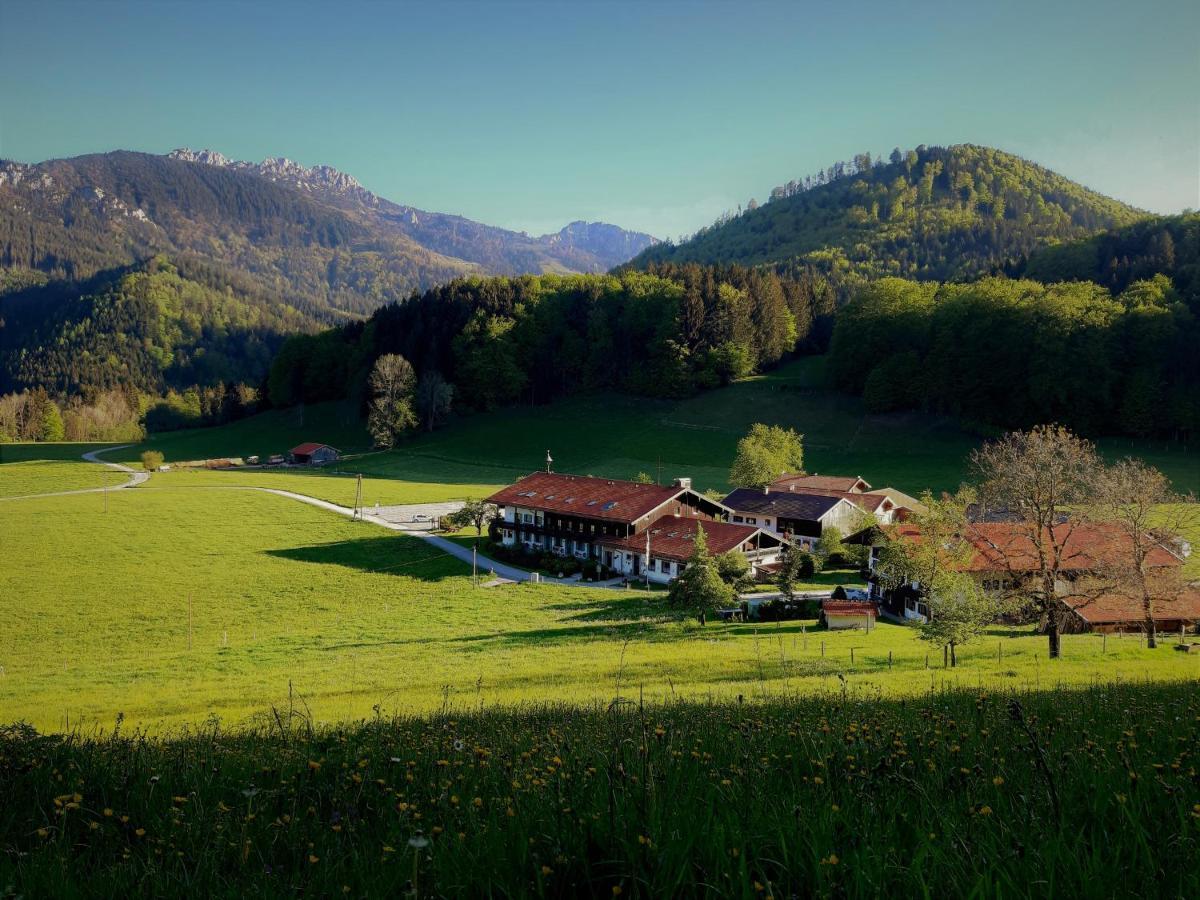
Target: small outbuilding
(840, 614)
(314, 454)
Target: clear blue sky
(655, 116)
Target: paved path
(135, 477)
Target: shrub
(152, 460)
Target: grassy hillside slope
(619, 436)
(935, 796)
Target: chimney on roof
(766, 489)
(685, 483)
(549, 461)
(792, 486)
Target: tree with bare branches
(1044, 481)
(1137, 501)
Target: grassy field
(619, 436)
(941, 795)
(179, 604)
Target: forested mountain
(148, 329)
(940, 213)
(315, 234)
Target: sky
(656, 116)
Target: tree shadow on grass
(646, 631)
(618, 610)
(403, 556)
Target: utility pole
(106, 490)
(474, 570)
(358, 501)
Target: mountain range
(315, 233)
(162, 272)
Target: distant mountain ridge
(933, 213)
(578, 247)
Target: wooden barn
(314, 454)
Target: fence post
(851, 656)
(889, 659)
(822, 649)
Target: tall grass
(1081, 793)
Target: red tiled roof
(1005, 546)
(823, 482)
(674, 537)
(1113, 608)
(306, 449)
(593, 498)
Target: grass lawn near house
(181, 604)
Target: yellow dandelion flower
(313, 858)
(997, 781)
(546, 870)
(140, 832)
(107, 813)
(985, 810)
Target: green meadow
(179, 604)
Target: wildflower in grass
(313, 858)
(985, 810)
(313, 765)
(997, 781)
(546, 870)
(478, 801)
(830, 860)
(140, 832)
(616, 890)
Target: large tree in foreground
(1137, 502)
(391, 413)
(1045, 481)
(764, 454)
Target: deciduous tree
(1044, 480)
(766, 453)
(392, 384)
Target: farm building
(314, 454)
(570, 514)
(840, 614)
(1005, 558)
(802, 506)
(801, 516)
(661, 551)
